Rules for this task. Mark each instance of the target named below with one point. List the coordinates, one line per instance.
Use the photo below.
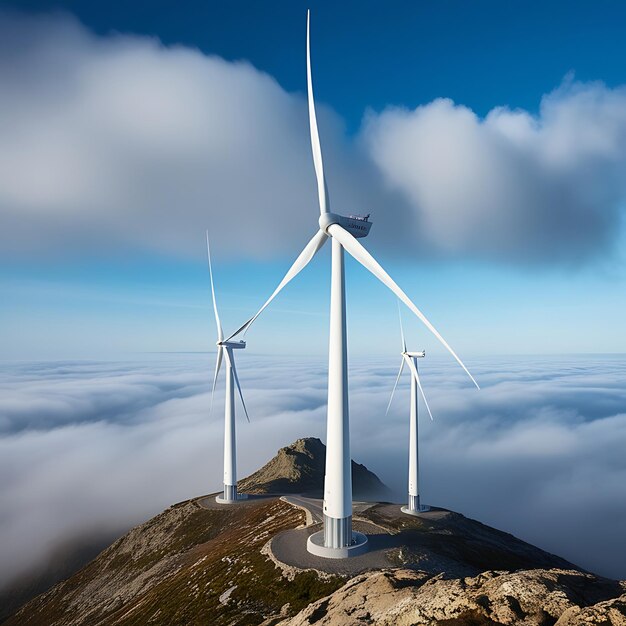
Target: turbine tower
(414, 507)
(338, 540)
(225, 349)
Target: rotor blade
(409, 360)
(218, 364)
(231, 362)
(401, 329)
(394, 387)
(220, 332)
(316, 148)
(299, 264)
(370, 263)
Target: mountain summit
(200, 563)
(300, 467)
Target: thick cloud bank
(122, 142)
(118, 142)
(514, 186)
(539, 452)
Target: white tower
(410, 358)
(230, 494)
(338, 476)
(225, 349)
(414, 507)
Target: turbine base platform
(423, 508)
(315, 545)
(239, 498)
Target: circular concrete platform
(240, 496)
(424, 508)
(315, 545)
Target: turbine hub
(357, 225)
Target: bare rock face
(530, 597)
(300, 467)
(600, 614)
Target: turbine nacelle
(233, 345)
(357, 225)
(417, 355)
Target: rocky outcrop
(530, 598)
(300, 468)
(601, 614)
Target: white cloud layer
(101, 446)
(118, 143)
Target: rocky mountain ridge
(202, 563)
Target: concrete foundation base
(315, 545)
(239, 498)
(422, 509)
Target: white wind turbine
(414, 506)
(337, 539)
(225, 349)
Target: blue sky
(482, 54)
(99, 279)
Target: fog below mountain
(89, 447)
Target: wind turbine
(225, 349)
(338, 540)
(410, 358)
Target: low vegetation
(188, 565)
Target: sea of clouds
(95, 447)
